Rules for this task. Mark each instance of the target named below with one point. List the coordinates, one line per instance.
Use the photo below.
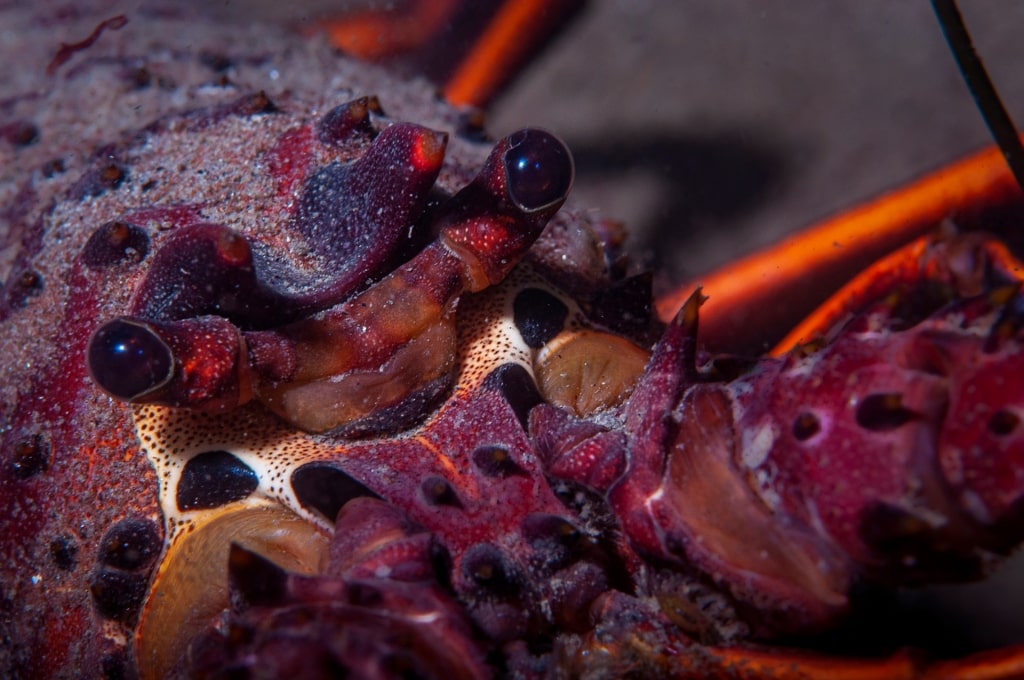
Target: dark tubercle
(115, 243)
(31, 456)
(345, 122)
(19, 133)
(495, 460)
(118, 595)
(64, 552)
(105, 175)
(486, 566)
(438, 491)
(131, 544)
(121, 578)
(21, 287)
(884, 412)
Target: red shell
(685, 511)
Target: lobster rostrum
(295, 386)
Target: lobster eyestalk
(193, 362)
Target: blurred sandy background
(714, 126)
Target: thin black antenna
(980, 85)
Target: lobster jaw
(256, 586)
(191, 587)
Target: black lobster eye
(128, 359)
(538, 168)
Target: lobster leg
(1001, 663)
(637, 638)
(745, 663)
(375, 34)
(471, 49)
(965, 264)
(516, 34)
(752, 301)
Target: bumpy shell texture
(332, 307)
(117, 127)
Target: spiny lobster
(295, 387)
